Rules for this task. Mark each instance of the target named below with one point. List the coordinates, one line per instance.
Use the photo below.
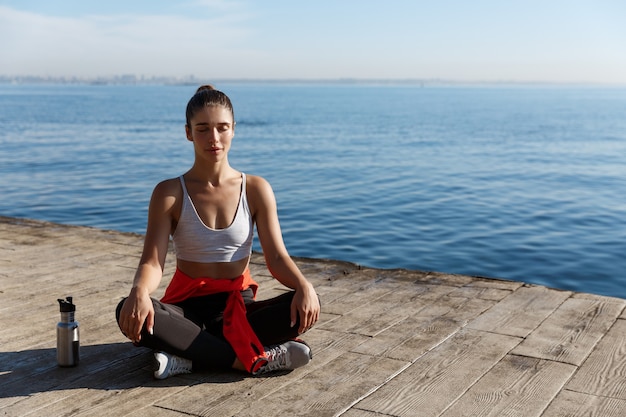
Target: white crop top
(196, 242)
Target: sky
(564, 41)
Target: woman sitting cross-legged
(208, 317)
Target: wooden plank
(85, 399)
(325, 392)
(521, 312)
(391, 306)
(576, 404)
(351, 302)
(356, 412)
(516, 386)
(442, 278)
(62, 389)
(481, 292)
(411, 338)
(40, 404)
(96, 316)
(604, 372)
(486, 289)
(37, 371)
(362, 321)
(572, 331)
(431, 384)
(497, 283)
(131, 401)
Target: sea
(517, 182)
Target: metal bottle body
(68, 344)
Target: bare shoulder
(260, 193)
(168, 191)
(257, 185)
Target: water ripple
(524, 184)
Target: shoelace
(276, 358)
(179, 366)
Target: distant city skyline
(557, 41)
(131, 79)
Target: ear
(188, 133)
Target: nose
(214, 135)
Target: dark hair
(207, 95)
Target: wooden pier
(389, 342)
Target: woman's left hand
(305, 305)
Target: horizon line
(193, 80)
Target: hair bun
(207, 95)
(206, 87)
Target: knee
(119, 309)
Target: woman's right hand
(136, 310)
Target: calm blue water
(523, 183)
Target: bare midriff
(218, 270)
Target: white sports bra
(196, 242)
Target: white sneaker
(170, 365)
(287, 356)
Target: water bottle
(67, 334)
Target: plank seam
(394, 375)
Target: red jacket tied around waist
(237, 330)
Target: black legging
(192, 328)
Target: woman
(208, 317)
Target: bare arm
(138, 308)
(281, 266)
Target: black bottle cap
(66, 305)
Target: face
(212, 130)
